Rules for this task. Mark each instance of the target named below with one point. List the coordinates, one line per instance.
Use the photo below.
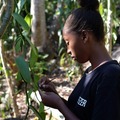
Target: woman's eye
(67, 43)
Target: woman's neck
(99, 56)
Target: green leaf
(28, 19)
(23, 68)
(19, 77)
(28, 98)
(50, 118)
(36, 79)
(31, 44)
(101, 8)
(20, 5)
(36, 112)
(21, 21)
(33, 58)
(1, 68)
(41, 110)
(18, 44)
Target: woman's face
(76, 47)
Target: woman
(97, 95)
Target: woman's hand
(50, 99)
(48, 93)
(46, 85)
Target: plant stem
(9, 82)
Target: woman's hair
(87, 17)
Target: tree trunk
(38, 24)
(9, 7)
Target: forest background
(31, 46)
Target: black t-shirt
(97, 95)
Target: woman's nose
(68, 51)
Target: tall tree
(38, 24)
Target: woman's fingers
(41, 82)
(45, 85)
(50, 99)
(47, 88)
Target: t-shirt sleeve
(107, 99)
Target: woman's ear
(84, 36)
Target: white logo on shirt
(82, 102)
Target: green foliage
(41, 117)
(33, 58)
(41, 111)
(23, 68)
(19, 43)
(21, 21)
(20, 5)
(28, 18)
(30, 69)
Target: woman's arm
(53, 100)
(66, 112)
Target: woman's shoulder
(111, 67)
(107, 75)
(110, 72)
